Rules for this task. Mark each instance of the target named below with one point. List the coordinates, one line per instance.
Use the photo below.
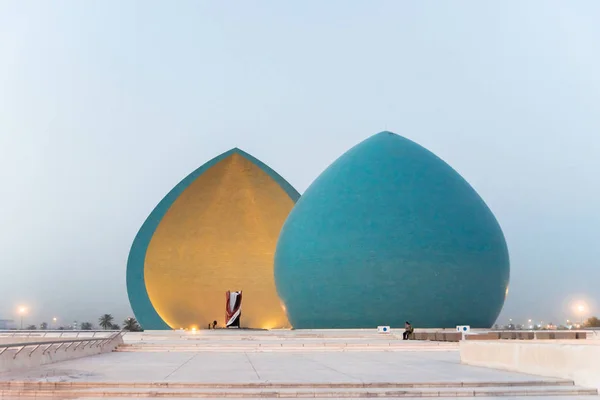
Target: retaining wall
(576, 360)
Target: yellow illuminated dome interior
(219, 234)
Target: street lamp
(581, 310)
(22, 311)
(54, 323)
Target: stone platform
(243, 364)
(569, 359)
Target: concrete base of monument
(276, 340)
(276, 364)
(277, 375)
(570, 359)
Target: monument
(215, 230)
(387, 233)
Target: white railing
(53, 333)
(55, 345)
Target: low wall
(450, 336)
(576, 360)
(32, 356)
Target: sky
(106, 105)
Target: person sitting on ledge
(408, 330)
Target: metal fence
(53, 333)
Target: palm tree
(86, 326)
(44, 326)
(115, 327)
(31, 328)
(105, 321)
(131, 325)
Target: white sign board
(383, 329)
(463, 328)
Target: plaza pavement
(277, 364)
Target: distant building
(6, 324)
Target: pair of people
(213, 326)
(408, 330)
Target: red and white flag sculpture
(233, 309)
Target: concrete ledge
(43, 385)
(294, 393)
(577, 359)
(483, 336)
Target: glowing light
(271, 324)
(22, 310)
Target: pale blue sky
(105, 105)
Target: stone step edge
(157, 349)
(234, 346)
(221, 346)
(141, 348)
(285, 385)
(296, 344)
(274, 394)
(281, 350)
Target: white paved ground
(183, 358)
(267, 367)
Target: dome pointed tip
(236, 150)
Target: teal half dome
(388, 233)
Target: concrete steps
(66, 390)
(288, 347)
(29, 385)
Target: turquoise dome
(389, 233)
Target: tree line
(106, 322)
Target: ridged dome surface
(215, 231)
(387, 233)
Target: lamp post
(581, 311)
(54, 323)
(22, 311)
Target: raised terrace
(276, 364)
